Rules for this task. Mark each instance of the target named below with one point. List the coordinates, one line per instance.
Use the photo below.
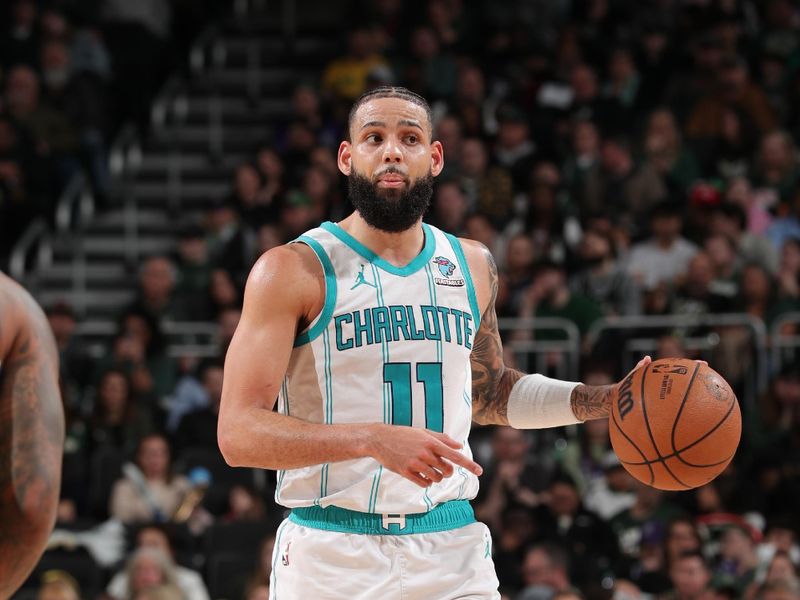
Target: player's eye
(412, 139)
(374, 138)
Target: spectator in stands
(192, 393)
(194, 270)
(152, 371)
(82, 96)
(74, 362)
(787, 226)
(733, 88)
(117, 421)
(778, 590)
(448, 131)
(273, 173)
(550, 296)
(146, 569)
(513, 478)
(776, 165)
(666, 156)
(263, 569)
(650, 510)
(590, 542)
(665, 256)
(54, 135)
(156, 290)
(198, 428)
(547, 565)
(429, 69)
(450, 208)
(789, 270)
(58, 585)
(19, 41)
(229, 242)
(157, 537)
(519, 267)
(602, 279)
(613, 493)
(149, 491)
(254, 206)
(345, 77)
(738, 560)
(514, 149)
(690, 576)
(782, 568)
(730, 220)
(697, 295)
(470, 104)
(617, 177)
(489, 189)
(223, 292)
(244, 504)
(582, 169)
(137, 38)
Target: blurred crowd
(618, 158)
(71, 72)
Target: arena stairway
(204, 124)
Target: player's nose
(392, 153)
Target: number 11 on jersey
(429, 374)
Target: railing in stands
(637, 337)
(35, 239)
(785, 344)
(559, 358)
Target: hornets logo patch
(447, 269)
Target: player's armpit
(491, 379)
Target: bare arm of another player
(285, 289)
(31, 434)
(492, 380)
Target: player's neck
(398, 249)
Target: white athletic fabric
(447, 565)
(340, 377)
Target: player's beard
(391, 210)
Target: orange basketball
(675, 424)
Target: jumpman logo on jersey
(360, 279)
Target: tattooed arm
(491, 379)
(31, 434)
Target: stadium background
(633, 167)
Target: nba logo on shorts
(285, 555)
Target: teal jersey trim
(330, 292)
(444, 517)
(473, 299)
(415, 265)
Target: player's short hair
(390, 91)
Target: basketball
(675, 424)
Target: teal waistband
(450, 515)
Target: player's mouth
(391, 180)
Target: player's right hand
(422, 456)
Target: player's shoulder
(292, 270)
(480, 259)
(483, 269)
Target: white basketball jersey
(391, 345)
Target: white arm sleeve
(537, 402)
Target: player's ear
(437, 158)
(344, 157)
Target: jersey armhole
(319, 324)
(473, 298)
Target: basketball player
(31, 434)
(379, 338)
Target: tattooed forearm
(31, 436)
(491, 379)
(591, 402)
